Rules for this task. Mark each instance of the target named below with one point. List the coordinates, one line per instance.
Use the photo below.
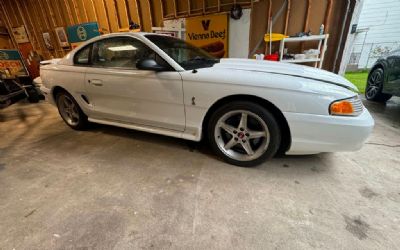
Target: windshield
(186, 55)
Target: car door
(393, 74)
(72, 77)
(119, 91)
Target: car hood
(287, 69)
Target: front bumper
(324, 133)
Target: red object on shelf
(272, 57)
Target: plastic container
(272, 57)
(312, 53)
(259, 56)
(299, 57)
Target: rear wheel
(244, 133)
(70, 111)
(373, 91)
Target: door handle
(96, 82)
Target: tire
(236, 126)
(373, 90)
(70, 111)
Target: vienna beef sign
(209, 33)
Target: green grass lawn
(358, 78)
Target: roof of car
(126, 34)
(132, 34)
(68, 59)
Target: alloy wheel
(242, 135)
(68, 110)
(374, 85)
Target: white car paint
(175, 103)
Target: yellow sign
(209, 33)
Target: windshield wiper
(200, 62)
(203, 59)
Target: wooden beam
(39, 25)
(69, 12)
(48, 28)
(101, 14)
(328, 16)
(123, 15)
(307, 19)
(36, 45)
(85, 15)
(52, 17)
(162, 8)
(287, 17)
(8, 25)
(175, 8)
(76, 11)
(112, 15)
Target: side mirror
(150, 64)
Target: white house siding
(378, 32)
(239, 32)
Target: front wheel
(70, 111)
(244, 133)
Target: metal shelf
(322, 46)
(301, 60)
(306, 38)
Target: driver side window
(120, 52)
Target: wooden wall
(5, 41)
(299, 16)
(41, 16)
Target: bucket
(272, 57)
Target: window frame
(122, 68)
(89, 63)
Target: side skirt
(148, 129)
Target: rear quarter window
(82, 57)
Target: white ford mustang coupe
(248, 110)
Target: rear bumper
(322, 133)
(47, 94)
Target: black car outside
(384, 78)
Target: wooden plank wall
(5, 41)
(41, 16)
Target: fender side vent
(85, 99)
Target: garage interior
(39, 16)
(114, 188)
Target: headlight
(347, 107)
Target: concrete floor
(115, 188)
